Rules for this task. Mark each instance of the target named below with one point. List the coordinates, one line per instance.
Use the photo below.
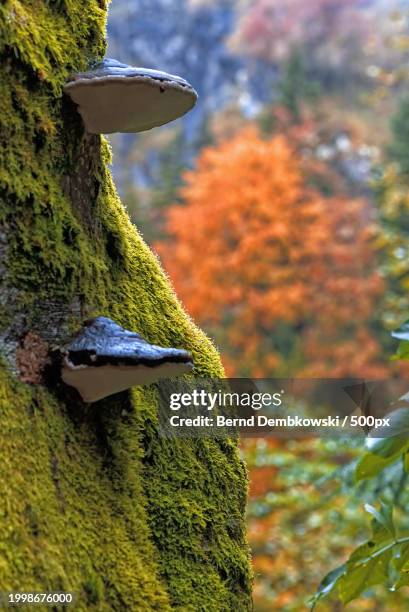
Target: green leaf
(402, 352)
(367, 566)
(400, 566)
(383, 519)
(398, 424)
(328, 585)
(402, 334)
(383, 559)
(384, 451)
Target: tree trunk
(92, 499)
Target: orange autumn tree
(281, 276)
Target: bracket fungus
(113, 97)
(104, 358)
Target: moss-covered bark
(91, 498)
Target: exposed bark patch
(81, 186)
(32, 359)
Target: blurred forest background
(280, 210)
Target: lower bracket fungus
(113, 97)
(104, 358)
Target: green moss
(93, 500)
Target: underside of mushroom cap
(113, 97)
(104, 359)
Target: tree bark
(92, 499)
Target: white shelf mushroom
(104, 358)
(113, 97)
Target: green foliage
(399, 147)
(93, 500)
(382, 453)
(296, 87)
(402, 334)
(171, 166)
(295, 499)
(393, 209)
(146, 205)
(384, 558)
(168, 182)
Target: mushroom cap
(113, 97)
(104, 358)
